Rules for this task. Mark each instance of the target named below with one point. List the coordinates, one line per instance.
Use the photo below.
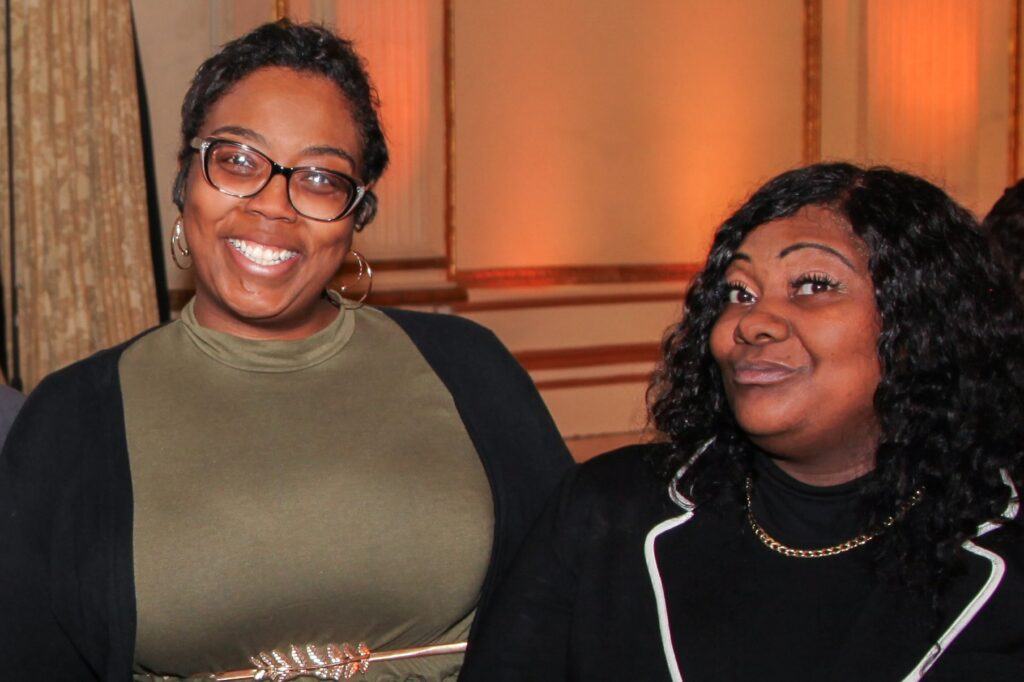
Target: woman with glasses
(281, 484)
(835, 493)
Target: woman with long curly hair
(834, 496)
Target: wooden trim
(566, 301)
(1013, 146)
(419, 296)
(588, 356)
(577, 274)
(449, 142)
(812, 81)
(584, 382)
(395, 264)
(281, 9)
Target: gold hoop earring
(365, 272)
(177, 250)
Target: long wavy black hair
(1004, 227)
(950, 402)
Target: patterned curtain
(74, 237)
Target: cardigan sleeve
(525, 633)
(38, 477)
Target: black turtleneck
(801, 515)
(739, 610)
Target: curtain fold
(82, 271)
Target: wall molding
(1013, 143)
(410, 296)
(577, 274)
(449, 142)
(397, 264)
(525, 302)
(588, 356)
(812, 81)
(587, 382)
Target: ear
(366, 211)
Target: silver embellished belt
(331, 662)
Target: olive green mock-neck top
(315, 491)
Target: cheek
(331, 246)
(205, 207)
(847, 354)
(327, 253)
(721, 339)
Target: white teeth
(261, 255)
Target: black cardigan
(585, 599)
(67, 598)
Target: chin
(257, 306)
(765, 419)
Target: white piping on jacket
(652, 565)
(659, 591)
(956, 627)
(979, 600)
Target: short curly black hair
(950, 401)
(302, 47)
(1004, 227)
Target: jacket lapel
(891, 638)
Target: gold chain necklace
(853, 543)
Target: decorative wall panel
(403, 44)
(921, 85)
(609, 133)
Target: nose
(759, 326)
(272, 201)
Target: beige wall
(615, 132)
(921, 85)
(608, 133)
(605, 133)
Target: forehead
(811, 224)
(291, 109)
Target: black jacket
(67, 599)
(586, 598)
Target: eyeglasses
(238, 170)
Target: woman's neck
(826, 473)
(219, 319)
(825, 459)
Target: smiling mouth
(762, 373)
(261, 254)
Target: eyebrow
(241, 132)
(315, 150)
(820, 247)
(320, 150)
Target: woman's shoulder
(633, 462)
(461, 351)
(625, 478)
(442, 329)
(85, 379)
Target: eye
(739, 293)
(238, 162)
(814, 283)
(319, 182)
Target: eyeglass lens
(316, 194)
